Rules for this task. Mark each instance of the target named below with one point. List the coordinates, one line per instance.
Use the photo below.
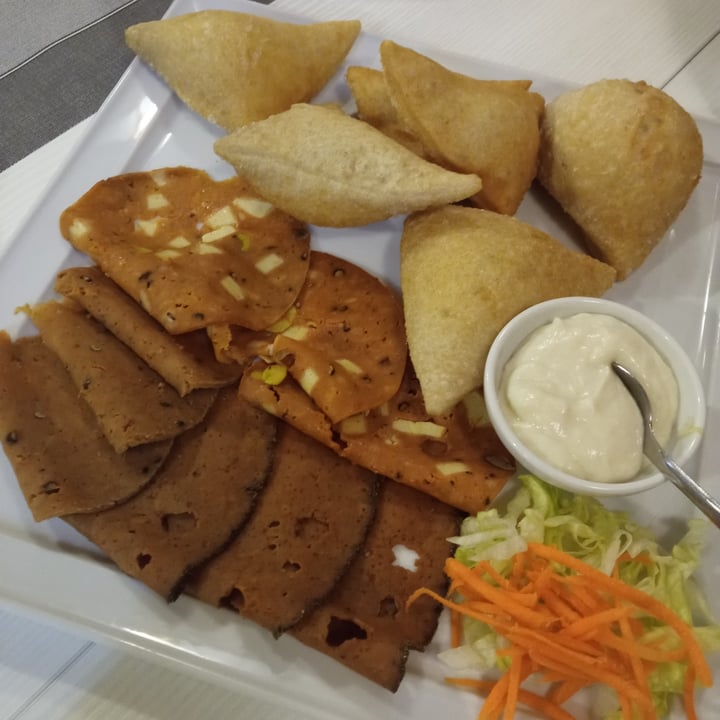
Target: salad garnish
(560, 594)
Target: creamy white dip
(564, 401)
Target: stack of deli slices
(139, 438)
(186, 361)
(195, 254)
(238, 509)
(62, 460)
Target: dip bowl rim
(692, 410)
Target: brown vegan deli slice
(365, 622)
(347, 340)
(190, 250)
(456, 457)
(132, 403)
(309, 523)
(203, 495)
(60, 456)
(185, 361)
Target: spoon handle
(694, 492)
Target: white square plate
(47, 569)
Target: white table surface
(47, 671)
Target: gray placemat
(65, 83)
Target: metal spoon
(651, 447)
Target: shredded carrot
(511, 606)
(634, 657)
(597, 621)
(689, 695)
(455, 629)
(571, 626)
(515, 678)
(484, 567)
(532, 700)
(564, 689)
(646, 602)
(493, 704)
(635, 646)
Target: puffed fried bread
(234, 68)
(487, 127)
(464, 274)
(327, 168)
(622, 159)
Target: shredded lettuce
(583, 527)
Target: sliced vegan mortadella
(347, 339)
(365, 623)
(192, 251)
(204, 494)
(456, 457)
(61, 458)
(185, 361)
(309, 524)
(132, 403)
(234, 345)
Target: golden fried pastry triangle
(622, 158)
(464, 274)
(326, 168)
(486, 127)
(234, 68)
(374, 106)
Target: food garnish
(565, 594)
